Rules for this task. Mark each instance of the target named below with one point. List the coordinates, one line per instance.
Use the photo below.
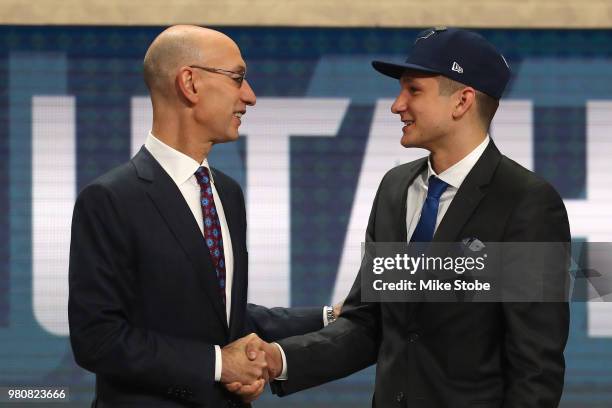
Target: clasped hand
(247, 364)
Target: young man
(485, 355)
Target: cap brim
(397, 70)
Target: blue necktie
(424, 230)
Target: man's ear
(464, 101)
(185, 84)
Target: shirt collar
(455, 174)
(179, 166)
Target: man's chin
(407, 141)
(230, 137)
(414, 141)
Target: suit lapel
(468, 196)
(400, 234)
(174, 210)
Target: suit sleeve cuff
(219, 363)
(283, 374)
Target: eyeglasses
(238, 77)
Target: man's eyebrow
(408, 80)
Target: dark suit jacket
(144, 306)
(451, 354)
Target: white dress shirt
(453, 176)
(181, 169)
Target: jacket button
(399, 397)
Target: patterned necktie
(212, 227)
(424, 230)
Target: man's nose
(399, 105)
(247, 94)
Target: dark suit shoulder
(518, 181)
(120, 180)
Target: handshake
(247, 364)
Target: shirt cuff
(283, 374)
(218, 363)
(325, 321)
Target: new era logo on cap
(437, 50)
(457, 68)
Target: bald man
(158, 260)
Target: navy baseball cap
(461, 55)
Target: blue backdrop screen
(73, 105)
